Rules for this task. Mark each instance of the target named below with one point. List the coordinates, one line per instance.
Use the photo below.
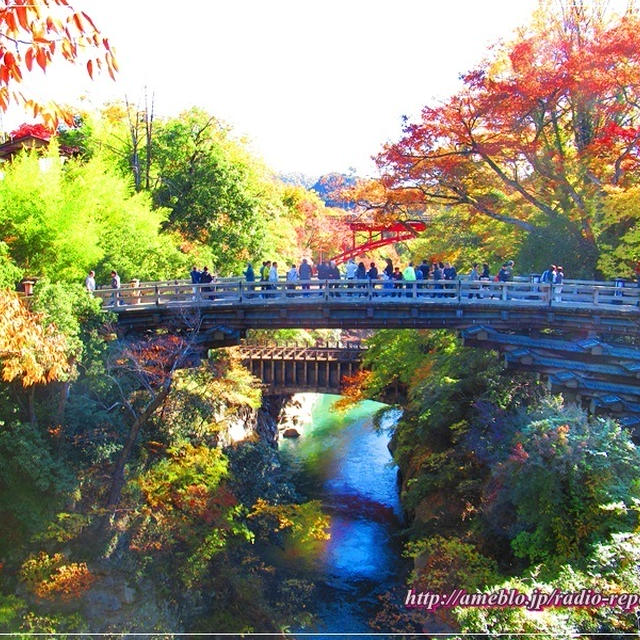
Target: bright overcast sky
(315, 86)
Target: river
(342, 461)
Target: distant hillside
(328, 188)
(298, 179)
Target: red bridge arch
(379, 235)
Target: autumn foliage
(53, 578)
(35, 34)
(535, 136)
(30, 353)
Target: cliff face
(279, 416)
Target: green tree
(206, 181)
(564, 483)
(60, 220)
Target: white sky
(315, 86)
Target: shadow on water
(344, 462)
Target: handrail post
(370, 287)
(326, 290)
(595, 295)
(157, 295)
(504, 291)
(239, 290)
(459, 290)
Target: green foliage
(205, 401)
(63, 220)
(185, 502)
(12, 609)
(619, 233)
(443, 564)
(208, 184)
(72, 310)
(495, 474)
(10, 274)
(559, 242)
(395, 356)
(610, 569)
(564, 483)
(33, 484)
(257, 472)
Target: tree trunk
(117, 481)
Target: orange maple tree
(34, 33)
(30, 353)
(535, 135)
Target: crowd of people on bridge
(328, 270)
(390, 278)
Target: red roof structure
(30, 136)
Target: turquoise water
(343, 462)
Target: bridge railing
(455, 292)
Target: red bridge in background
(378, 235)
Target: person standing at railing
(250, 277)
(474, 277)
(115, 284)
(206, 278)
(388, 268)
(264, 275)
(397, 281)
(557, 286)
(195, 279)
(438, 277)
(195, 275)
(372, 274)
(292, 278)
(90, 282)
(351, 269)
(547, 278)
(409, 276)
(361, 274)
(333, 273)
(424, 267)
(273, 276)
(419, 280)
(387, 284)
(485, 276)
(450, 274)
(323, 271)
(305, 273)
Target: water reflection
(345, 463)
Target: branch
(516, 185)
(525, 226)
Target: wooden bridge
(583, 337)
(601, 377)
(224, 310)
(288, 369)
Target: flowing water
(343, 462)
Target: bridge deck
(366, 304)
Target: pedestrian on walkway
(115, 284)
(291, 278)
(351, 269)
(557, 286)
(90, 282)
(305, 272)
(409, 276)
(273, 277)
(195, 275)
(250, 277)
